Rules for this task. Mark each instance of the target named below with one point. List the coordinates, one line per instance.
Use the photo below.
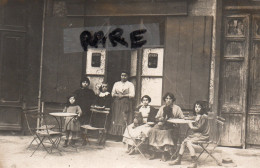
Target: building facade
(203, 50)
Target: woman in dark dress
(85, 98)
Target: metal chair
(49, 136)
(95, 124)
(136, 142)
(33, 114)
(219, 123)
(42, 132)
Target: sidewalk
(13, 154)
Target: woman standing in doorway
(123, 91)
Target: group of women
(158, 135)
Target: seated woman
(164, 136)
(139, 129)
(200, 133)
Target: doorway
(240, 89)
(117, 61)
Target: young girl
(103, 100)
(71, 125)
(104, 97)
(200, 130)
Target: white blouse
(145, 112)
(124, 88)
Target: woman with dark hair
(123, 91)
(139, 129)
(200, 130)
(163, 135)
(85, 98)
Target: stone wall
(202, 7)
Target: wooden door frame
(244, 69)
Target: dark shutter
(187, 59)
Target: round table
(62, 114)
(179, 121)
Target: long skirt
(71, 124)
(132, 133)
(163, 139)
(121, 108)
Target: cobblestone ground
(13, 154)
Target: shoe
(176, 161)
(129, 148)
(193, 165)
(65, 143)
(194, 162)
(132, 152)
(164, 156)
(84, 143)
(152, 156)
(72, 143)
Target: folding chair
(47, 134)
(136, 142)
(33, 115)
(219, 122)
(96, 124)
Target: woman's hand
(161, 119)
(75, 119)
(120, 95)
(190, 125)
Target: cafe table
(61, 115)
(182, 122)
(179, 121)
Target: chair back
(47, 108)
(31, 116)
(98, 118)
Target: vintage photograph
(129, 83)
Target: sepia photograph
(129, 83)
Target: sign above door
(111, 37)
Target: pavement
(14, 154)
